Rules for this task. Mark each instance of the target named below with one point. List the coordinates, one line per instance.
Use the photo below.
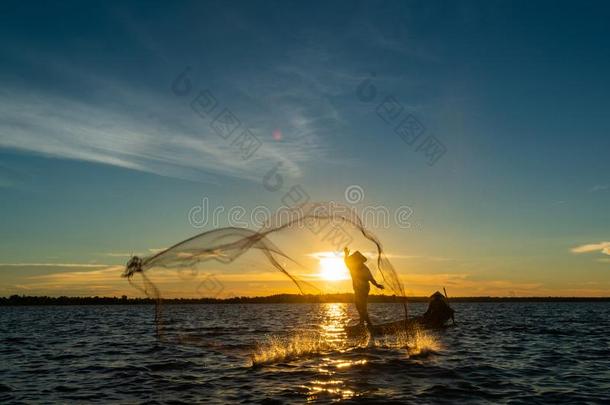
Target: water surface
(497, 352)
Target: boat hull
(389, 328)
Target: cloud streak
(599, 187)
(602, 247)
(138, 129)
(85, 265)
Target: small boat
(438, 314)
(388, 328)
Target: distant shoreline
(22, 300)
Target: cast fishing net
(276, 258)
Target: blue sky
(100, 158)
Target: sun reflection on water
(334, 318)
(331, 337)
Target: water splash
(281, 348)
(277, 349)
(417, 342)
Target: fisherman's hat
(357, 256)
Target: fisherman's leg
(361, 310)
(361, 299)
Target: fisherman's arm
(373, 281)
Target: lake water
(287, 353)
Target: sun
(332, 268)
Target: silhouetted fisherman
(361, 276)
(439, 311)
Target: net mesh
(171, 272)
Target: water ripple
(498, 353)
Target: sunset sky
(110, 142)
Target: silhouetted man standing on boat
(361, 276)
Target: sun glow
(332, 267)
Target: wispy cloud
(373, 255)
(599, 187)
(107, 273)
(115, 254)
(465, 284)
(108, 281)
(84, 265)
(137, 129)
(603, 247)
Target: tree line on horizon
(20, 300)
